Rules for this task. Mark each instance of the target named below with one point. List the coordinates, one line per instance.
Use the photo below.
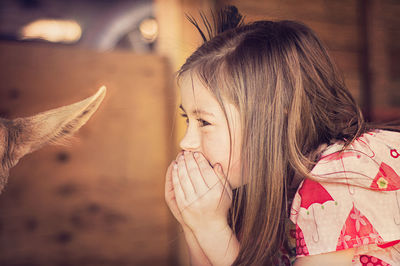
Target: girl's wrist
(211, 228)
(219, 243)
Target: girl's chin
(235, 185)
(234, 181)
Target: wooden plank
(335, 23)
(341, 12)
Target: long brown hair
(291, 100)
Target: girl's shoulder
(368, 158)
(354, 203)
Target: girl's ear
(54, 126)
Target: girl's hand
(170, 195)
(202, 194)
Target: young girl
(267, 113)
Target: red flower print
(386, 179)
(360, 242)
(374, 236)
(343, 239)
(371, 261)
(313, 192)
(357, 231)
(358, 217)
(301, 247)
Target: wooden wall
(382, 22)
(335, 22)
(98, 201)
(363, 36)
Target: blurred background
(99, 200)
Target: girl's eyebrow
(197, 111)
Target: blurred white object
(149, 29)
(64, 31)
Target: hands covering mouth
(197, 193)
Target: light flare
(63, 31)
(149, 29)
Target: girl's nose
(191, 140)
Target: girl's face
(207, 128)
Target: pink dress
(355, 203)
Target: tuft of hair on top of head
(226, 19)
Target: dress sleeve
(355, 202)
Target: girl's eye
(203, 123)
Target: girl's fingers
(194, 173)
(184, 179)
(169, 187)
(179, 193)
(220, 173)
(177, 156)
(206, 170)
(168, 179)
(222, 178)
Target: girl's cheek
(210, 150)
(215, 153)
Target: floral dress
(355, 203)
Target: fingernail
(181, 157)
(175, 166)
